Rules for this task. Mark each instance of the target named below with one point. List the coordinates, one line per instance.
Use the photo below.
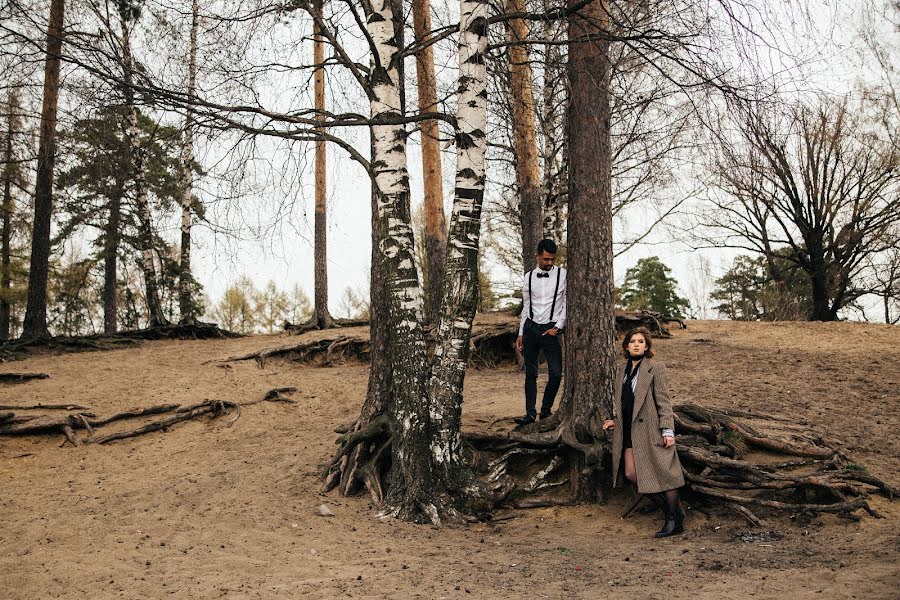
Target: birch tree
(128, 14)
(185, 277)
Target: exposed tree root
(20, 349)
(726, 462)
(70, 424)
(44, 407)
(186, 331)
(314, 325)
(21, 377)
(321, 352)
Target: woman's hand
(668, 441)
(608, 424)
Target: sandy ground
(208, 511)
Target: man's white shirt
(540, 300)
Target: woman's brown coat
(658, 468)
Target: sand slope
(208, 511)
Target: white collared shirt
(541, 298)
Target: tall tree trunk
(9, 173)
(411, 494)
(156, 317)
(185, 277)
(435, 223)
(35, 323)
(110, 266)
(531, 216)
(461, 293)
(590, 331)
(320, 293)
(555, 184)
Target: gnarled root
(69, 424)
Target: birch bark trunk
(110, 266)
(590, 331)
(461, 277)
(524, 135)
(156, 317)
(34, 325)
(185, 277)
(435, 222)
(412, 491)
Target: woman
(643, 429)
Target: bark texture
(435, 222)
(590, 332)
(185, 277)
(110, 265)
(320, 293)
(524, 136)
(411, 494)
(9, 171)
(35, 323)
(145, 236)
(461, 279)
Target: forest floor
(204, 510)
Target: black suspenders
(531, 296)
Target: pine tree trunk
(461, 294)
(590, 331)
(35, 323)
(139, 188)
(322, 315)
(411, 493)
(12, 108)
(110, 266)
(554, 181)
(185, 277)
(435, 222)
(531, 216)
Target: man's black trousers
(533, 341)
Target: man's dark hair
(546, 245)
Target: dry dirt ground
(209, 511)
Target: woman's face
(637, 345)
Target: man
(543, 317)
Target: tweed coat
(658, 468)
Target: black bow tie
(543, 274)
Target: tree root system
(754, 465)
(314, 325)
(69, 425)
(20, 349)
(324, 352)
(21, 377)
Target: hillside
(205, 510)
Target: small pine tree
(650, 286)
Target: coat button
(640, 420)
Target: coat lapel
(645, 378)
(617, 390)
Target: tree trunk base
(754, 467)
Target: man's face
(545, 260)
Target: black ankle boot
(673, 526)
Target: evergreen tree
(650, 286)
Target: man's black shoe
(526, 420)
(544, 416)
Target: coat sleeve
(661, 396)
